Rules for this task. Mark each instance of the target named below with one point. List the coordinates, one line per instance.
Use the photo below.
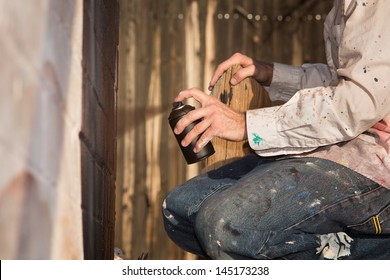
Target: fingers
(193, 92)
(214, 118)
(242, 74)
(203, 113)
(237, 58)
(204, 139)
(199, 129)
(189, 118)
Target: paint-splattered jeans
(300, 208)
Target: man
(318, 187)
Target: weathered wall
(167, 46)
(40, 118)
(58, 128)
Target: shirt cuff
(264, 136)
(262, 128)
(286, 81)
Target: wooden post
(246, 95)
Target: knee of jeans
(174, 208)
(213, 231)
(168, 210)
(223, 234)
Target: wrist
(245, 136)
(268, 70)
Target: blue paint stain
(257, 139)
(303, 195)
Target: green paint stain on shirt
(257, 139)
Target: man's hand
(260, 71)
(216, 120)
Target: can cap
(177, 105)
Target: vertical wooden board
(153, 138)
(173, 166)
(145, 219)
(98, 130)
(128, 125)
(223, 42)
(172, 82)
(210, 42)
(121, 190)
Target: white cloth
(339, 111)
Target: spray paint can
(179, 110)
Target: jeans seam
(332, 205)
(263, 245)
(383, 214)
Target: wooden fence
(170, 45)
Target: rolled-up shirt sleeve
(330, 112)
(288, 79)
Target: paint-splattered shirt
(339, 111)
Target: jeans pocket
(377, 224)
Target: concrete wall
(40, 120)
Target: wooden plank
(98, 132)
(126, 129)
(246, 95)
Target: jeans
(280, 208)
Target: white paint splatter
(219, 243)
(203, 143)
(334, 245)
(316, 202)
(290, 242)
(332, 172)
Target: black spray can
(178, 111)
